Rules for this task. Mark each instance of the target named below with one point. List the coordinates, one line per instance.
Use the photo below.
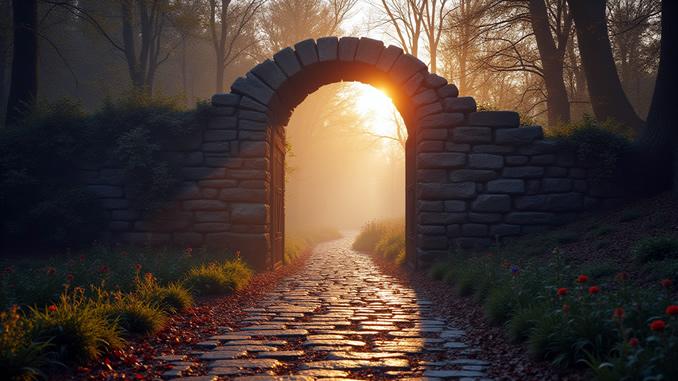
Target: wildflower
(51, 271)
(566, 308)
(189, 251)
(618, 313)
(666, 283)
(672, 310)
(658, 325)
(582, 278)
(52, 308)
(594, 290)
(82, 258)
(514, 270)
(561, 291)
(633, 342)
(69, 278)
(137, 267)
(149, 277)
(103, 269)
(237, 255)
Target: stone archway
(472, 177)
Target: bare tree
(230, 26)
(186, 21)
(406, 19)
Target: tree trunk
(607, 95)
(552, 65)
(24, 87)
(657, 161)
(219, 84)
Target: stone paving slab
(339, 318)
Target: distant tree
(24, 86)
(186, 20)
(607, 95)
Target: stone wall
(477, 176)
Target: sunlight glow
(378, 108)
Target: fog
(344, 166)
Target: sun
(378, 108)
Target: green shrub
(655, 249)
(500, 304)
(439, 270)
(217, 278)
(20, 357)
(171, 298)
(134, 315)
(369, 236)
(391, 246)
(75, 329)
(523, 322)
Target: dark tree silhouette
(605, 89)
(24, 86)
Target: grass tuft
(655, 249)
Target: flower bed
(68, 311)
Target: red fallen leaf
(138, 376)
(82, 369)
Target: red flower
(672, 310)
(618, 313)
(137, 267)
(52, 308)
(666, 283)
(582, 278)
(69, 278)
(103, 269)
(189, 251)
(561, 291)
(594, 290)
(658, 325)
(633, 342)
(51, 271)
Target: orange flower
(672, 310)
(594, 290)
(582, 278)
(666, 283)
(633, 342)
(658, 325)
(52, 308)
(561, 291)
(618, 313)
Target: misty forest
(338, 189)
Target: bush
(217, 278)
(439, 270)
(655, 249)
(20, 357)
(135, 315)
(369, 236)
(523, 322)
(171, 298)
(75, 329)
(386, 239)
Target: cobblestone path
(339, 318)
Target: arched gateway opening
(268, 94)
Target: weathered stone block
(146, 238)
(431, 175)
(441, 160)
(434, 81)
(522, 135)
(542, 159)
(492, 203)
(210, 216)
(431, 229)
(556, 172)
(218, 184)
(431, 146)
(307, 52)
(198, 173)
(453, 230)
(425, 241)
(220, 135)
(242, 195)
(249, 214)
(564, 202)
(105, 191)
(492, 148)
(454, 147)
(254, 88)
(124, 215)
(494, 119)
(425, 97)
(388, 57)
(509, 186)
(220, 147)
(447, 191)
(577, 173)
(485, 218)
(432, 134)
(347, 48)
(447, 91)
(430, 206)
(222, 122)
(516, 160)
(503, 230)
(413, 84)
(327, 49)
(369, 51)
(114, 203)
(256, 116)
(535, 202)
(429, 109)
(270, 73)
(194, 159)
(455, 206)
(209, 205)
(472, 135)
(211, 227)
(530, 218)
(441, 120)
(479, 175)
(485, 161)
(251, 125)
(405, 67)
(523, 172)
(555, 185)
(287, 61)
(121, 226)
(474, 230)
(540, 147)
(225, 100)
(460, 104)
(253, 149)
